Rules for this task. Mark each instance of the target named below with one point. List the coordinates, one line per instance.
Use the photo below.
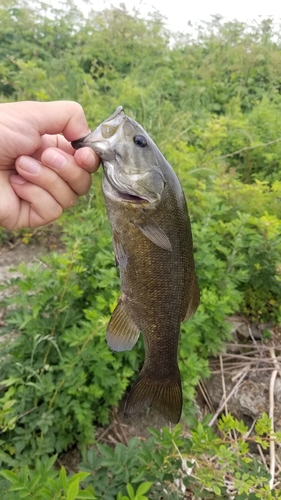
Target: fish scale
(152, 242)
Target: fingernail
(54, 159)
(89, 157)
(17, 179)
(29, 164)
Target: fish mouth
(122, 196)
(131, 198)
(79, 143)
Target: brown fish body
(153, 247)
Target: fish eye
(140, 141)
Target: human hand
(40, 173)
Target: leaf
(6, 458)
(86, 495)
(46, 494)
(50, 462)
(11, 476)
(62, 477)
(130, 490)
(142, 473)
(24, 494)
(80, 476)
(9, 404)
(33, 483)
(72, 491)
(144, 487)
(216, 490)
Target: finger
(37, 206)
(66, 117)
(46, 178)
(87, 159)
(77, 176)
(56, 141)
(84, 157)
(68, 166)
(9, 203)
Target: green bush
(168, 465)
(43, 483)
(58, 371)
(62, 375)
(175, 462)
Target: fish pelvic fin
(163, 396)
(122, 333)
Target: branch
(225, 400)
(247, 148)
(271, 416)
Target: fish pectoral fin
(194, 298)
(122, 333)
(153, 232)
(164, 396)
(121, 257)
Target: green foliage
(167, 465)
(44, 482)
(63, 378)
(170, 463)
(139, 495)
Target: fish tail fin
(164, 396)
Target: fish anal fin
(122, 333)
(194, 298)
(163, 396)
(153, 232)
(121, 257)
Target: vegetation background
(212, 103)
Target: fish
(152, 242)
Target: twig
(227, 399)
(248, 433)
(247, 148)
(224, 394)
(257, 360)
(124, 437)
(106, 431)
(275, 360)
(112, 439)
(262, 456)
(230, 345)
(230, 371)
(246, 368)
(271, 416)
(223, 384)
(251, 334)
(23, 415)
(205, 395)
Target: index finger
(56, 117)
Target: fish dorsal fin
(122, 333)
(153, 232)
(120, 254)
(195, 298)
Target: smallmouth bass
(152, 243)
